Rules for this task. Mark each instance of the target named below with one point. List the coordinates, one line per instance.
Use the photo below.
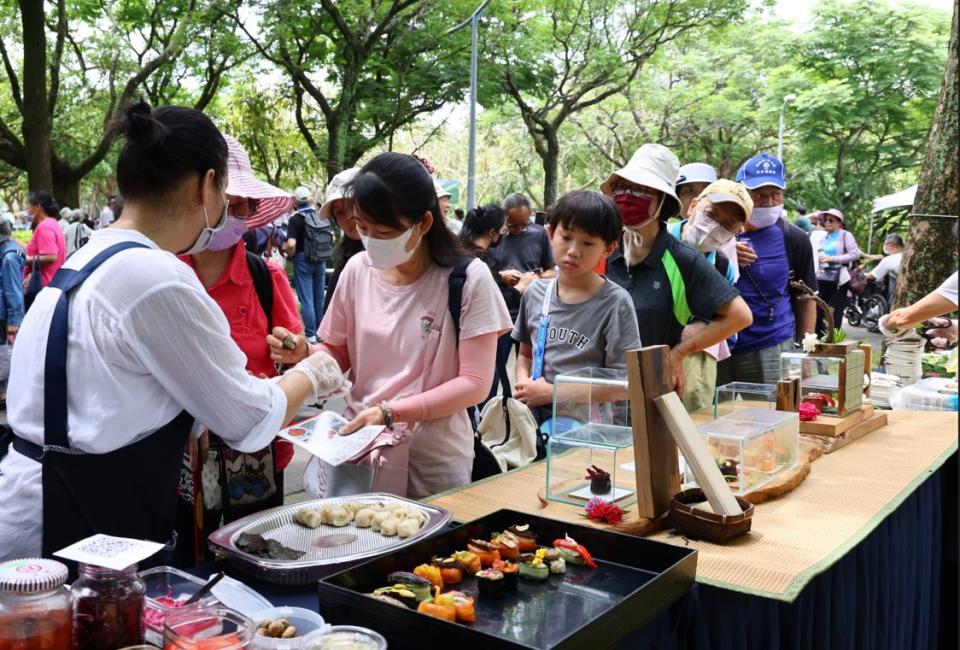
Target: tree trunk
(66, 189)
(931, 253)
(551, 166)
(36, 114)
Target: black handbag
(34, 284)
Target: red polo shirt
(237, 297)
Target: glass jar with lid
(35, 607)
(108, 607)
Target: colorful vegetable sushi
(400, 593)
(419, 585)
(536, 568)
(465, 606)
(508, 545)
(486, 551)
(468, 561)
(430, 573)
(490, 583)
(574, 553)
(450, 571)
(510, 571)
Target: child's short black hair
(591, 212)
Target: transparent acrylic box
(740, 394)
(752, 446)
(833, 382)
(590, 427)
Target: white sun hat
(271, 201)
(696, 173)
(655, 166)
(441, 190)
(337, 189)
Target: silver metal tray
(328, 548)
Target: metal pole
(783, 109)
(472, 153)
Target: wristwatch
(388, 415)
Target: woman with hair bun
(389, 325)
(124, 351)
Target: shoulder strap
(678, 288)
(457, 280)
(791, 262)
(263, 285)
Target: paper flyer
(109, 552)
(320, 436)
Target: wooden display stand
(826, 425)
(850, 379)
(654, 450)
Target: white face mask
(705, 234)
(203, 239)
(763, 217)
(387, 253)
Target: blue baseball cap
(761, 170)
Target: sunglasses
(831, 220)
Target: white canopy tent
(901, 199)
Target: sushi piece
(450, 571)
(486, 551)
(490, 583)
(465, 606)
(526, 538)
(536, 569)
(444, 610)
(574, 553)
(384, 598)
(510, 571)
(430, 573)
(558, 566)
(470, 562)
(400, 593)
(508, 545)
(419, 585)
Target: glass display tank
(830, 376)
(752, 446)
(590, 449)
(740, 394)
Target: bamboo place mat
(794, 538)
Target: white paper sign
(321, 437)
(109, 552)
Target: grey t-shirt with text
(595, 333)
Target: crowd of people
(189, 349)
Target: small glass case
(752, 446)
(740, 394)
(831, 378)
(590, 450)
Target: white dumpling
(354, 506)
(378, 518)
(307, 517)
(364, 517)
(325, 512)
(408, 528)
(340, 516)
(388, 527)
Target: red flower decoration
(604, 511)
(808, 411)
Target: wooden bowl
(705, 525)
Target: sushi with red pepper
(574, 553)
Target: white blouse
(145, 342)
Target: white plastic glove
(943, 333)
(324, 374)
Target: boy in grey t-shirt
(591, 322)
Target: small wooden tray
(826, 425)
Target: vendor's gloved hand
(942, 332)
(324, 375)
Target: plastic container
(740, 394)
(36, 611)
(593, 407)
(107, 608)
(216, 628)
(752, 446)
(345, 637)
(304, 620)
(167, 589)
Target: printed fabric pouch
(381, 466)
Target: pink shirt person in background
(47, 243)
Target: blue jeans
(309, 278)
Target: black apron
(129, 492)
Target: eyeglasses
(831, 220)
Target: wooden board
(654, 450)
(830, 444)
(825, 425)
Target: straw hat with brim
(337, 189)
(272, 202)
(654, 166)
(727, 191)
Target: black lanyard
(771, 306)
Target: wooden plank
(788, 395)
(867, 364)
(697, 455)
(825, 425)
(654, 450)
(830, 444)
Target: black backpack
(484, 462)
(262, 284)
(317, 237)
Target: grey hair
(516, 200)
(895, 239)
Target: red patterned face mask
(634, 207)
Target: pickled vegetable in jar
(107, 608)
(35, 607)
